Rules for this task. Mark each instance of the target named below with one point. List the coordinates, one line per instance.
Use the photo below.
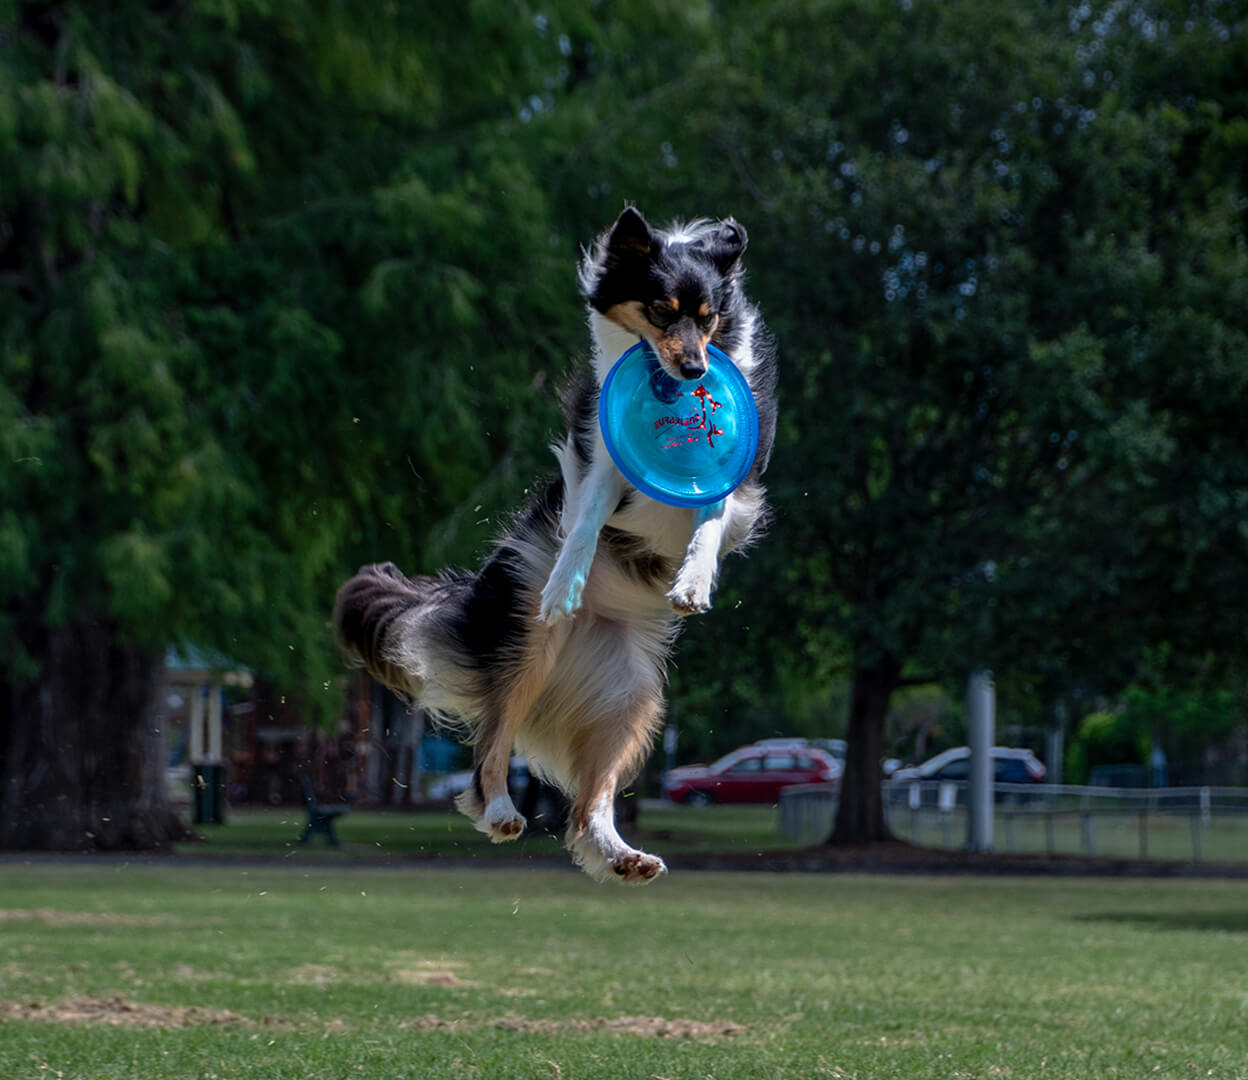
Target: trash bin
(208, 794)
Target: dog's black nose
(692, 369)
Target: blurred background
(287, 287)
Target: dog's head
(671, 288)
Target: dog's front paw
(638, 868)
(690, 597)
(562, 596)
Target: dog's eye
(662, 315)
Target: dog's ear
(631, 237)
(727, 244)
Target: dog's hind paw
(638, 868)
(501, 821)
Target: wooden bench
(321, 817)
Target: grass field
(676, 830)
(190, 970)
(669, 830)
(1166, 835)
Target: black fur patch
(492, 620)
(579, 397)
(631, 553)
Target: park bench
(321, 816)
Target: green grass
(365, 834)
(675, 830)
(830, 976)
(1167, 836)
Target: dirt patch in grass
(653, 1026)
(656, 1027)
(431, 977)
(51, 917)
(429, 1022)
(314, 975)
(118, 1012)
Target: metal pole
(1055, 748)
(195, 748)
(981, 724)
(214, 723)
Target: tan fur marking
(521, 694)
(669, 347)
(704, 310)
(609, 752)
(630, 316)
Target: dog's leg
(597, 497)
(486, 800)
(691, 592)
(601, 852)
(592, 838)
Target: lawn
(676, 830)
(1166, 835)
(665, 830)
(185, 969)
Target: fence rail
(1174, 823)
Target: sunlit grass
(332, 971)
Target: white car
(1011, 765)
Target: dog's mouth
(680, 347)
(682, 355)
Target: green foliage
(1105, 738)
(253, 329)
(1184, 720)
(283, 290)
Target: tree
(246, 266)
(982, 235)
(283, 290)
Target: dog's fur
(557, 647)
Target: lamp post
(981, 724)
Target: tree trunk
(81, 764)
(860, 814)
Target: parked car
(751, 774)
(1011, 765)
(452, 784)
(834, 747)
(543, 805)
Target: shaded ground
(902, 858)
(893, 858)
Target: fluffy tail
(369, 618)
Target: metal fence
(1166, 823)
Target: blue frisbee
(682, 442)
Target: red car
(752, 774)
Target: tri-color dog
(557, 648)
